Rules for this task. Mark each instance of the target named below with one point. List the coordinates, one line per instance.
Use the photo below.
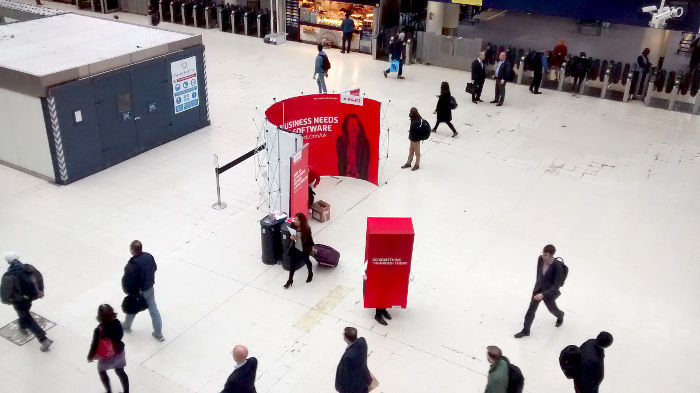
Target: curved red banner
(343, 138)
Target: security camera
(650, 9)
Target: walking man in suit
(550, 277)
(352, 375)
(504, 73)
(478, 77)
(242, 379)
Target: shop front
(316, 21)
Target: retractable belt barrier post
(628, 87)
(521, 70)
(606, 82)
(674, 94)
(409, 43)
(219, 170)
(650, 87)
(562, 73)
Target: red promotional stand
(388, 257)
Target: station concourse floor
(613, 186)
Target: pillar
(657, 41)
(450, 19)
(435, 19)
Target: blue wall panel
(124, 113)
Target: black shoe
(536, 92)
(493, 102)
(454, 134)
(385, 74)
(404, 166)
(400, 77)
(499, 104)
(381, 320)
(530, 88)
(475, 101)
(560, 321)
(522, 333)
(311, 277)
(386, 315)
(480, 100)
(288, 284)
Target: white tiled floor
(614, 186)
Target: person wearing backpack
(498, 371)
(580, 66)
(22, 284)
(321, 68)
(416, 134)
(139, 277)
(538, 63)
(516, 381)
(107, 347)
(591, 370)
(446, 103)
(550, 276)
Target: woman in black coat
(107, 346)
(301, 249)
(414, 135)
(444, 109)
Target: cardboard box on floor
(321, 211)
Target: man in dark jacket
(242, 379)
(478, 77)
(504, 74)
(643, 67)
(20, 293)
(139, 277)
(352, 375)
(580, 67)
(348, 26)
(538, 64)
(592, 371)
(398, 53)
(550, 277)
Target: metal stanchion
(218, 205)
(409, 51)
(183, 13)
(628, 87)
(562, 73)
(649, 88)
(674, 94)
(194, 15)
(521, 70)
(606, 82)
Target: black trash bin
(271, 239)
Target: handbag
(394, 67)
(470, 88)
(134, 304)
(374, 384)
(105, 346)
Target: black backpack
(570, 360)
(424, 129)
(531, 60)
(516, 381)
(565, 268)
(326, 63)
(453, 103)
(28, 279)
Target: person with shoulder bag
(107, 347)
(416, 134)
(21, 285)
(137, 282)
(446, 103)
(301, 248)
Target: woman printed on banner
(352, 148)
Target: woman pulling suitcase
(301, 249)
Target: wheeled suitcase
(326, 255)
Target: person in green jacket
(498, 372)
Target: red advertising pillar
(388, 257)
(299, 182)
